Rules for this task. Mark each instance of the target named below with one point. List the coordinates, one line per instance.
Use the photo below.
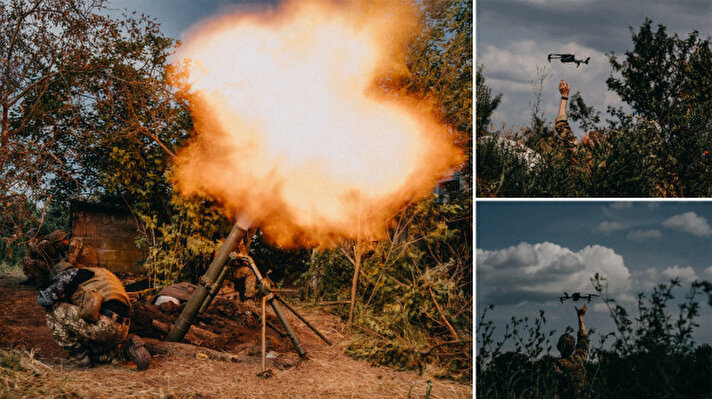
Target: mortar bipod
(267, 289)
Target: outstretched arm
(564, 90)
(581, 312)
(582, 343)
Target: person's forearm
(562, 108)
(582, 327)
(52, 294)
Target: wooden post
(264, 333)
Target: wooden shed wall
(112, 232)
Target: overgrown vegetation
(415, 293)
(650, 355)
(662, 149)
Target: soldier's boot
(137, 352)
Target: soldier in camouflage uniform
(42, 254)
(81, 254)
(87, 313)
(40, 265)
(569, 141)
(570, 367)
(562, 125)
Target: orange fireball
(292, 129)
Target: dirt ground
(32, 365)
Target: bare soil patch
(32, 365)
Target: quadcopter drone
(567, 58)
(576, 296)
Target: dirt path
(328, 373)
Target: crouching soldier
(87, 313)
(42, 254)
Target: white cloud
(689, 222)
(541, 272)
(685, 274)
(623, 299)
(600, 307)
(642, 235)
(707, 273)
(621, 205)
(626, 298)
(607, 227)
(647, 279)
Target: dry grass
(329, 374)
(11, 272)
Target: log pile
(228, 325)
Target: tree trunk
(354, 283)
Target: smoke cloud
(292, 127)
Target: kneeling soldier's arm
(57, 287)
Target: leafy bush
(414, 302)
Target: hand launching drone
(576, 296)
(567, 58)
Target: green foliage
(651, 356)
(284, 265)
(439, 60)
(587, 116)
(502, 171)
(328, 276)
(486, 104)
(667, 79)
(415, 302)
(414, 306)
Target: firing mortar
(206, 284)
(209, 284)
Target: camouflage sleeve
(51, 295)
(582, 346)
(565, 134)
(562, 366)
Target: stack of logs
(228, 325)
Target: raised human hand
(581, 312)
(564, 89)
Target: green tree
(439, 60)
(84, 104)
(666, 79)
(486, 104)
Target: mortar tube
(214, 290)
(183, 322)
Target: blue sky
(178, 16)
(529, 252)
(514, 37)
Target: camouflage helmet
(566, 345)
(56, 236)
